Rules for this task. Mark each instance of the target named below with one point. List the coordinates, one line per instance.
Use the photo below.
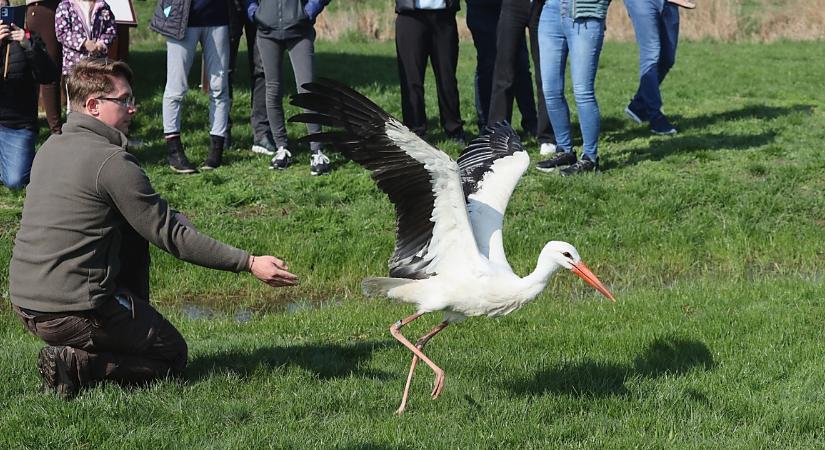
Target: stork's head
(565, 255)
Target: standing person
(427, 29)
(27, 64)
(482, 20)
(287, 26)
(239, 24)
(79, 272)
(507, 80)
(40, 20)
(84, 28)
(573, 30)
(656, 23)
(185, 23)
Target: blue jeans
(16, 156)
(656, 23)
(581, 40)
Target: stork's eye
(568, 255)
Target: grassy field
(713, 241)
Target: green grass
(713, 242)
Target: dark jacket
(286, 19)
(171, 18)
(404, 6)
(86, 193)
(20, 86)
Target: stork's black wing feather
(397, 164)
(495, 142)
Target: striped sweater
(580, 9)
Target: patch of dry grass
(718, 20)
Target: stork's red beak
(585, 274)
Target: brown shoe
(687, 4)
(58, 368)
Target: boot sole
(184, 171)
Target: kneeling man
(79, 273)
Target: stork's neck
(537, 280)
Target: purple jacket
(72, 31)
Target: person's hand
(5, 32)
(251, 9)
(312, 8)
(271, 271)
(100, 47)
(17, 34)
(90, 46)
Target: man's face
(115, 108)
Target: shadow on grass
(325, 361)
(670, 355)
(665, 146)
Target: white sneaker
(547, 149)
(281, 160)
(319, 164)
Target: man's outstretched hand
(271, 271)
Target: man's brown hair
(94, 76)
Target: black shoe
(633, 115)
(581, 166)
(215, 158)
(281, 160)
(58, 369)
(661, 126)
(557, 161)
(458, 137)
(319, 164)
(177, 158)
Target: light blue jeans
(656, 23)
(16, 156)
(581, 40)
(179, 57)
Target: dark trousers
(420, 35)
(113, 342)
(257, 118)
(40, 19)
(483, 22)
(516, 15)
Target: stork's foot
(438, 384)
(400, 410)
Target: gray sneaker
(319, 164)
(264, 147)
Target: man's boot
(215, 153)
(176, 157)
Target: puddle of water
(199, 311)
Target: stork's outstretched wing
(433, 228)
(490, 168)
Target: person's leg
(215, 43)
(511, 24)
(40, 19)
(126, 341)
(444, 59)
(302, 58)
(257, 82)
(553, 47)
(544, 132)
(16, 156)
(585, 38)
(412, 48)
(645, 16)
(482, 22)
(669, 38)
(272, 56)
(235, 33)
(523, 90)
(179, 57)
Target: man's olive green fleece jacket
(85, 190)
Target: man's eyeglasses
(128, 102)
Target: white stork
(449, 252)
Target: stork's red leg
(439, 382)
(439, 373)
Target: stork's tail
(380, 286)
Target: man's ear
(92, 106)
